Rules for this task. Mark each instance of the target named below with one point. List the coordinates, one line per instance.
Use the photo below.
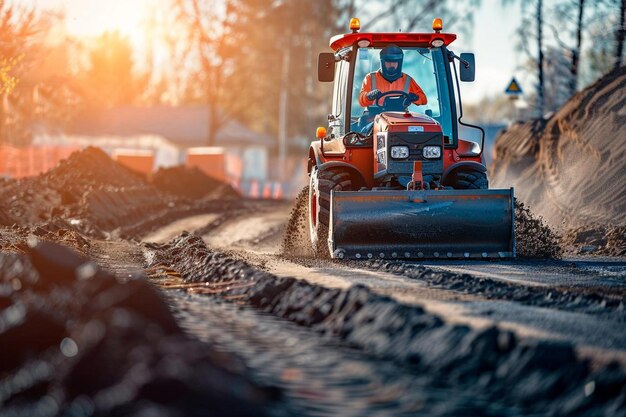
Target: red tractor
(392, 179)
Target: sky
(493, 39)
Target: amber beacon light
(437, 24)
(355, 24)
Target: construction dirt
(570, 167)
(219, 318)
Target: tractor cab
(426, 60)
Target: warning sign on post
(514, 88)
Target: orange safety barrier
(139, 160)
(32, 160)
(210, 160)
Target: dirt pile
(570, 168)
(88, 187)
(533, 238)
(500, 369)
(191, 183)
(76, 341)
(97, 196)
(600, 239)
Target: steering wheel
(406, 102)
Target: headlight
(399, 152)
(432, 152)
(437, 43)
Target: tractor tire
(321, 183)
(468, 179)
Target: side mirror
(468, 73)
(326, 67)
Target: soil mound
(599, 239)
(76, 341)
(88, 189)
(87, 169)
(570, 168)
(191, 183)
(533, 238)
(102, 198)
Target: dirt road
(573, 303)
(593, 327)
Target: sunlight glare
(90, 18)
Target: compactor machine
(394, 179)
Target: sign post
(514, 91)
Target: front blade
(422, 224)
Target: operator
(389, 78)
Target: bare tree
(576, 51)
(540, 82)
(620, 33)
(412, 15)
(566, 13)
(207, 40)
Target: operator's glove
(413, 97)
(373, 95)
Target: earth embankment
(570, 167)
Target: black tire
(321, 183)
(468, 179)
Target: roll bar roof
(401, 39)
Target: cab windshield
(426, 66)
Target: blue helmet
(391, 53)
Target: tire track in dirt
(457, 356)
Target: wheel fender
(314, 156)
(460, 165)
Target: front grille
(416, 142)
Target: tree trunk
(210, 138)
(621, 31)
(540, 83)
(576, 52)
(2, 119)
(283, 103)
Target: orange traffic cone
(278, 191)
(254, 189)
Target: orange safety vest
(375, 80)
